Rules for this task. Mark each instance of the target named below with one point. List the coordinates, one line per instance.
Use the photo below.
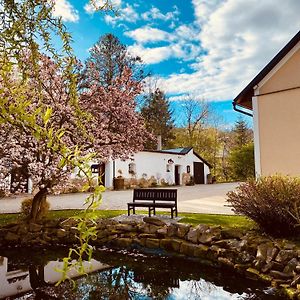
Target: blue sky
(204, 49)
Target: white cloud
(66, 11)
(92, 6)
(239, 38)
(151, 55)
(179, 43)
(148, 34)
(155, 14)
(127, 14)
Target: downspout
(240, 111)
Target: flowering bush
(273, 202)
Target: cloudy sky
(210, 49)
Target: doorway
(199, 173)
(177, 175)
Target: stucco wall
(154, 164)
(287, 76)
(279, 131)
(276, 110)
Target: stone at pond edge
(154, 221)
(11, 237)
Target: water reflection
(117, 276)
(19, 278)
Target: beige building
(273, 96)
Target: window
(169, 167)
(131, 168)
(188, 169)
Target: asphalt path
(209, 198)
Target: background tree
(242, 134)
(109, 58)
(196, 114)
(158, 119)
(241, 161)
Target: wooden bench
(154, 198)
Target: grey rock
(285, 256)
(172, 230)
(224, 261)
(187, 248)
(291, 266)
(211, 234)
(192, 235)
(232, 233)
(61, 233)
(154, 221)
(152, 243)
(296, 280)
(280, 275)
(35, 227)
(182, 230)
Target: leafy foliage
(241, 161)
(272, 202)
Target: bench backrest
(155, 195)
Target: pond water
(118, 275)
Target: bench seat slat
(140, 204)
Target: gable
(286, 75)
(244, 98)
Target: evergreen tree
(242, 134)
(108, 59)
(158, 118)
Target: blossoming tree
(102, 124)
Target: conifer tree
(157, 114)
(109, 58)
(242, 134)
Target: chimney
(159, 143)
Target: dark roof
(180, 151)
(244, 98)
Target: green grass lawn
(187, 218)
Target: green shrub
(27, 204)
(273, 202)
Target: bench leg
(128, 210)
(154, 213)
(149, 212)
(172, 216)
(133, 210)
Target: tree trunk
(38, 201)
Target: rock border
(257, 257)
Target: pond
(117, 275)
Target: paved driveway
(208, 198)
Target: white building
(172, 167)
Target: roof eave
(244, 99)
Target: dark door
(102, 173)
(177, 176)
(199, 172)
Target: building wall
(277, 119)
(149, 164)
(279, 130)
